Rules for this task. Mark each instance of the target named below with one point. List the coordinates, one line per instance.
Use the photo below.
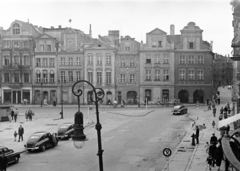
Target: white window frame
(157, 74)
(191, 74)
(132, 78)
(182, 74)
(62, 61)
(108, 77)
(157, 58)
(148, 74)
(90, 76)
(165, 59)
(122, 78)
(165, 74)
(182, 59)
(70, 61)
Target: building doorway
(183, 95)
(198, 95)
(90, 97)
(132, 97)
(17, 98)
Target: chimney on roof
(59, 26)
(52, 27)
(172, 29)
(28, 21)
(90, 31)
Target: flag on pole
(70, 20)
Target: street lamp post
(78, 137)
(61, 113)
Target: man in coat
(197, 135)
(20, 133)
(3, 162)
(213, 139)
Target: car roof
(178, 106)
(67, 124)
(40, 133)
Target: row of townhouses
(43, 63)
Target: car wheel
(43, 148)
(16, 160)
(56, 143)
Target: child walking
(209, 161)
(15, 136)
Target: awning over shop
(229, 120)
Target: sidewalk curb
(170, 159)
(195, 149)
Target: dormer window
(190, 45)
(154, 44)
(16, 28)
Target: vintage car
(65, 131)
(179, 109)
(13, 157)
(41, 141)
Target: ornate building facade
(43, 63)
(127, 71)
(193, 66)
(156, 68)
(16, 62)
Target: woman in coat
(219, 156)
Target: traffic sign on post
(167, 152)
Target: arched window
(52, 76)
(38, 76)
(16, 28)
(45, 76)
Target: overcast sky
(133, 18)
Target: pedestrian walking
(213, 104)
(15, 135)
(212, 149)
(20, 133)
(30, 114)
(227, 130)
(26, 115)
(193, 139)
(207, 101)
(219, 156)
(12, 114)
(221, 110)
(213, 139)
(16, 112)
(197, 135)
(214, 112)
(213, 124)
(209, 105)
(207, 147)
(209, 161)
(3, 162)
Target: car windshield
(176, 107)
(34, 137)
(64, 126)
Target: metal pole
(41, 94)
(98, 98)
(62, 100)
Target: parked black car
(179, 109)
(13, 157)
(41, 141)
(65, 131)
